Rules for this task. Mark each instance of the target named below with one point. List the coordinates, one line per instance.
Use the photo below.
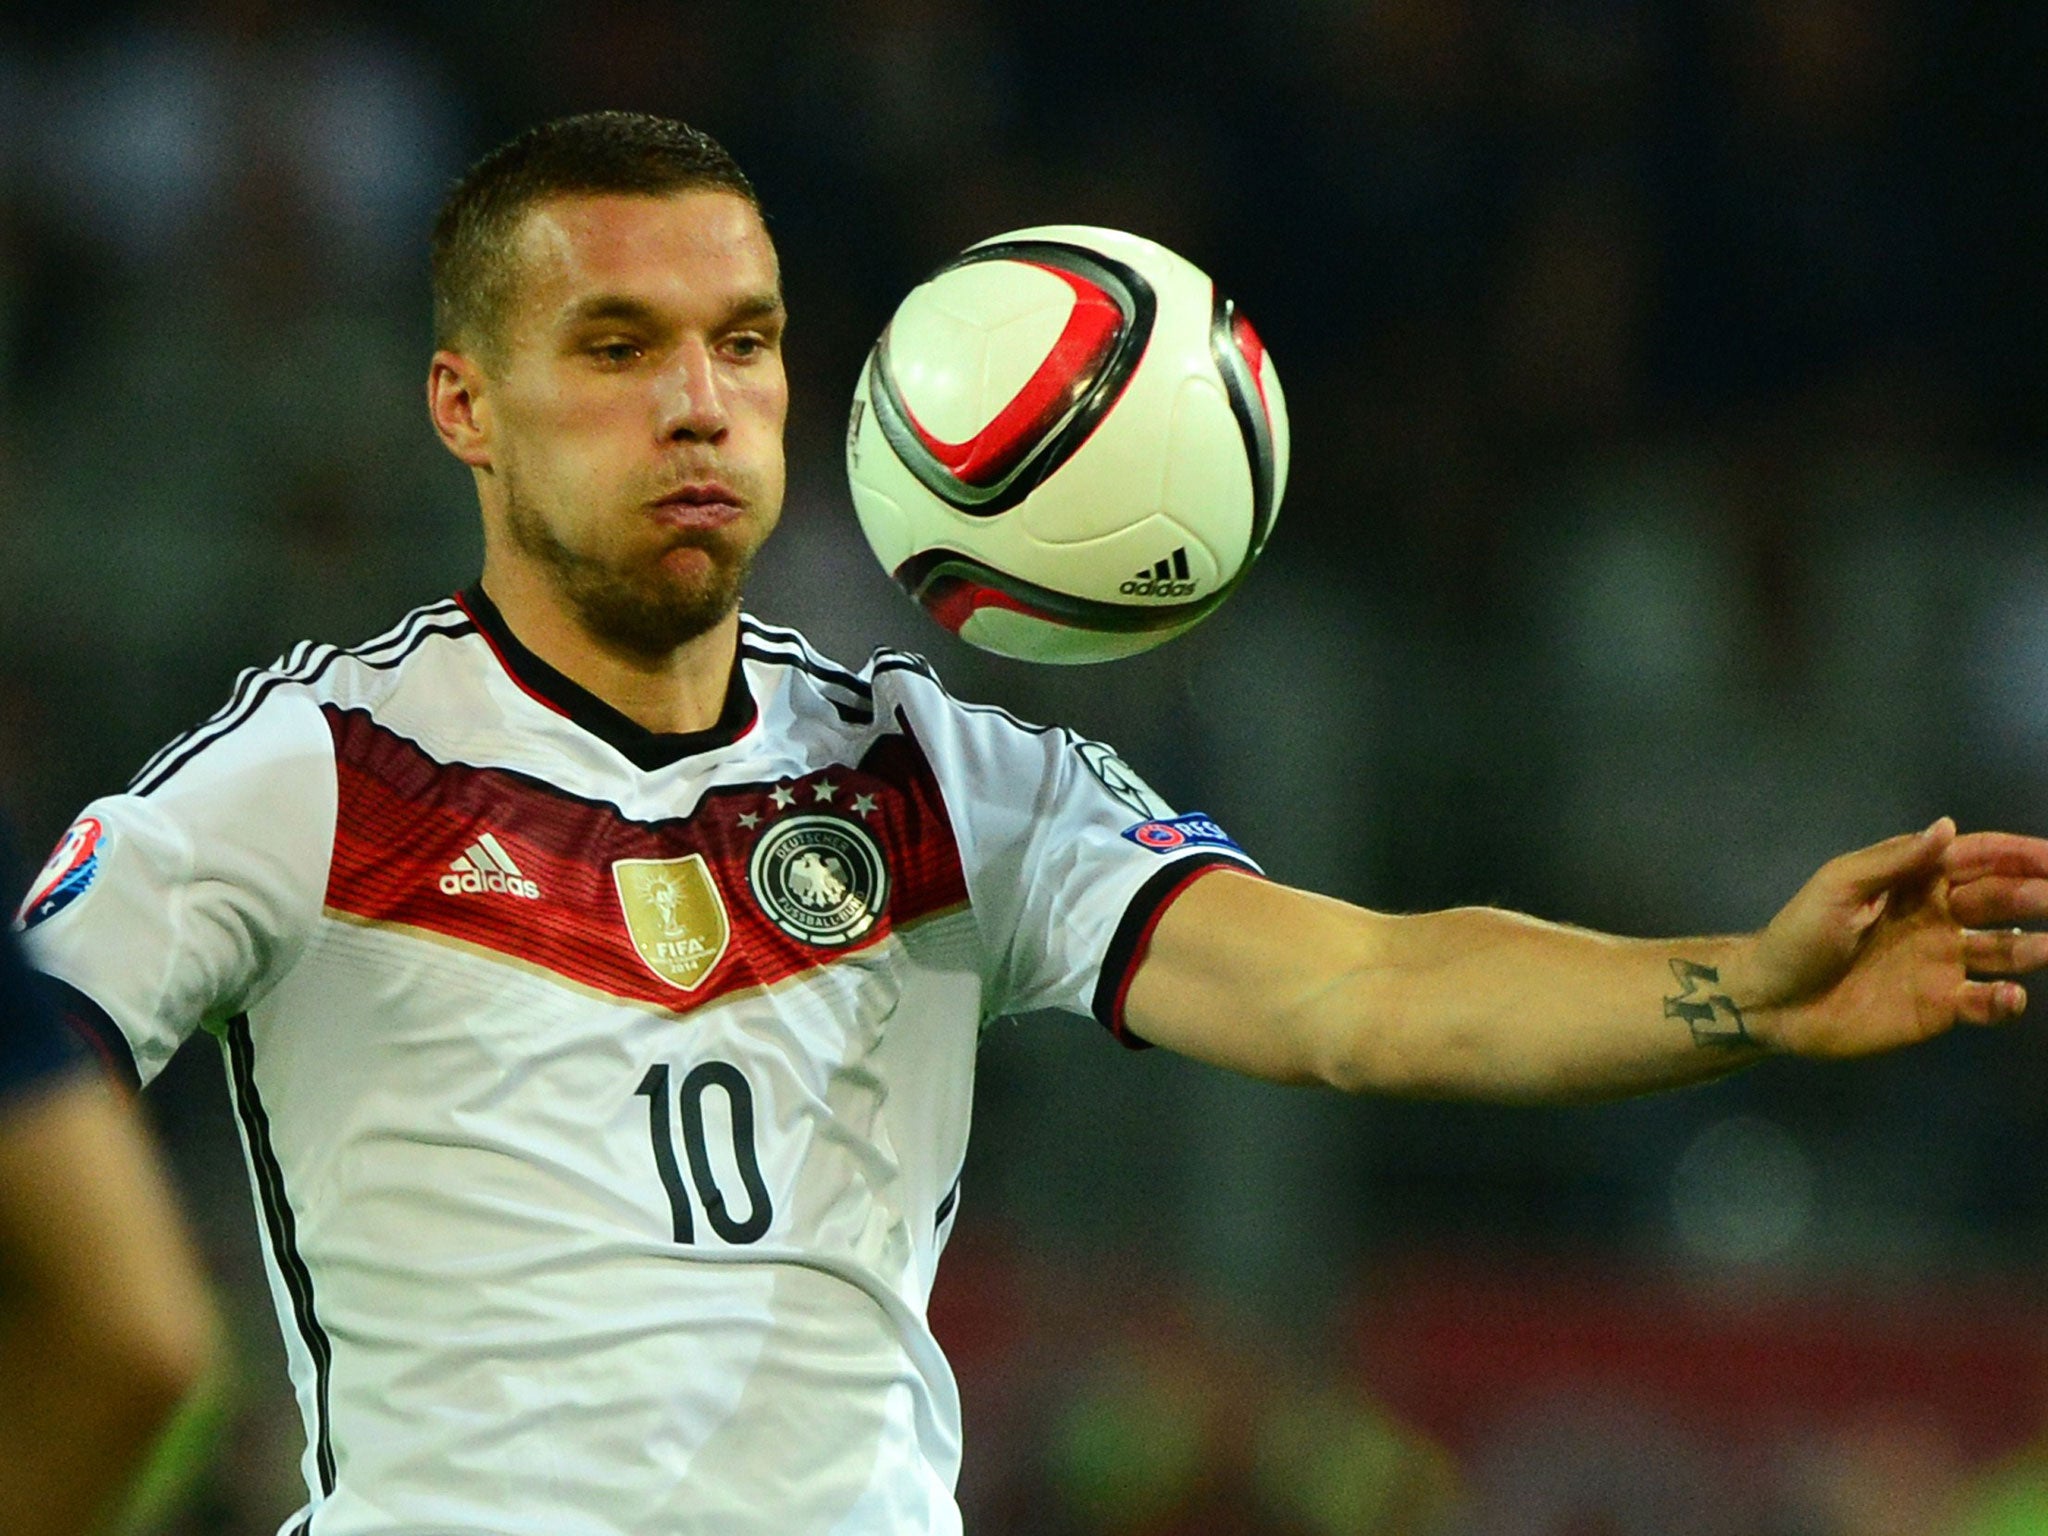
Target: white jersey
(604, 1093)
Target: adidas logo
(1169, 578)
(487, 867)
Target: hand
(1879, 949)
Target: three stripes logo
(1168, 578)
(487, 867)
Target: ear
(455, 401)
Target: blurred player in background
(601, 971)
(105, 1324)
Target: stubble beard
(647, 611)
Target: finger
(1869, 872)
(1992, 901)
(1990, 1002)
(1996, 853)
(2004, 952)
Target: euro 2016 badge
(68, 875)
(675, 916)
(820, 879)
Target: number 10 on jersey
(686, 1105)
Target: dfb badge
(820, 879)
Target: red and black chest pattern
(759, 883)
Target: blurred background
(1669, 512)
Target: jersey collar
(641, 747)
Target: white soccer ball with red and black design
(1067, 446)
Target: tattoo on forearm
(1712, 1017)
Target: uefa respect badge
(1171, 834)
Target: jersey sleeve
(182, 902)
(1070, 858)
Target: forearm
(1467, 1003)
(1879, 949)
(1480, 1003)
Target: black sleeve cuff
(33, 1048)
(1134, 934)
(96, 1029)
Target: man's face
(634, 407)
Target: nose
(690, 400)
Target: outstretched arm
(1872, 953)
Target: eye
(746, 345)
(615, 354)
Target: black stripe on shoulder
(859, 711)
(759, 640)
(402, 639)
(1023, 725)
(380, 654)
(282, 1229)
(95, 1027)
(446, 607)
(757, 628)
(761, 629)
(902, 661)
(447, 619)
(1134, 932)
(302, 656)
(810, 665)
(917, 666)
(250, 678)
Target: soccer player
(104, 1321)
(601, 970)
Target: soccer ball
(1067, 446)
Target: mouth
(699, 504)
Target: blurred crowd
(1668, 513)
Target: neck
(675, 692)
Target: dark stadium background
(1668, 513)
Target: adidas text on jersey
(486, 867)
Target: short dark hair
(474, 271)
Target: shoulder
(786, 652)
(276, 711)
(891, 686)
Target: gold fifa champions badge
(675, 916)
